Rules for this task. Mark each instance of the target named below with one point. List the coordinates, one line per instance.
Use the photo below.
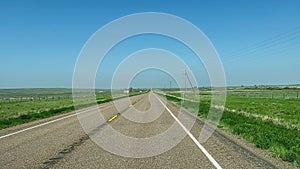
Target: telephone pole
(185, 80)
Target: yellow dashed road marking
(112, 118)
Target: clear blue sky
(258, 41)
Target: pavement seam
(69, 149)
(52, 161)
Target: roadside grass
(31, 116)
(19, 111)
(44, 112)
(172, 98)
(15, 109)
(286, 110)
(281, 141)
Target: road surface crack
(52, 161)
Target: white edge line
(205, 152)
(52, 121)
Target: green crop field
(269, 118)
(19, 106)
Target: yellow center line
(112, 118)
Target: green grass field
(268, 118)
(19, 106)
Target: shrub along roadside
(174, 99)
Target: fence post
(272, 95)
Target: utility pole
(183, 98)
(170, 84)
(185, 74)
(190, 82)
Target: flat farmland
(19, 106)
(269, 118)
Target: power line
(265, 52)
(280, 39)
(267, 41)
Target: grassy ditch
(282, 142)
(31, 116)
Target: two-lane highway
(62, 143)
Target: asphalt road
(63, 143)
